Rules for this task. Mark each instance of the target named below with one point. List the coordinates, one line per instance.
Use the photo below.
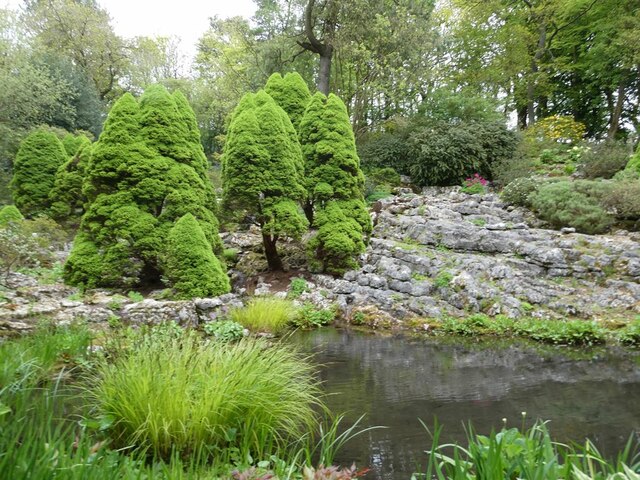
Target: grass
(265, 314)
(172, 395)
(52, 428)
(527, 454)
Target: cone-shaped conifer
(190, 265)
(261, 171)
(66, 197)
(40, 155)
(333, 179)
(9, 215)
(291, 93)
(146, 171)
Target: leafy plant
(443, 279)
(224, 330)
(519, 191)
(135, 296)
(309, 316)
(297, 287)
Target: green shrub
(66, 196)
(379, 183)
(230, 255)
(604, 160)
(445, 154)
(623, 199)
(34, 170)
(135, 296)
(291, 93)
(9, 214)
(262, 171)
(224, 330)
(265, 314)
(562, 205)
(189, 263)
(297, 287)
(147, 170)
(175, 396)
(339, 240)
(633, 164)
(309, 316)
(387, 150)
(519, 191)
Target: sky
(185, 19)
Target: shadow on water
(396, 380)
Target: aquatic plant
(265, 314)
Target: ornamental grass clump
(265, 314)
(180, 395)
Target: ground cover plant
(265, 314)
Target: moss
(291, 93)
(34, 169)
(189, 263)
(10, 214)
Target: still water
(395, 381)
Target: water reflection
(395, 381)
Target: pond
(397, 380)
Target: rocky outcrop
(449, 253)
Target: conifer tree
(145, 173)
(190, 265)
(40, 155)
(291, 93)
(66, 196)
(72, 143)
(334, 183)
(9, 215)
(261, 171)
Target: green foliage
(9, 214)
(189, 263)
(261, 171)
(332, 167)
(309, 316)
(291, 93)
(634, 162)
(446, 154)
(630, 334)
(519, 191)
(623, 199)
(379, 183)
(528, 454)
(604, 160)
(146, 171)
(265, 314)
(297, 287)
(30, 244)
(73, 143)
(230, 255)
(135, 296)
(335, 184)
(34, 169)
(339, 239)
(224, 330)
(66, 196)
(562, 205)
(387, 150)
(175, 395)
(443, 279)
(556, 332)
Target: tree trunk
(616, 114)
(325, 69)
(273, 259)
(308, 212)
